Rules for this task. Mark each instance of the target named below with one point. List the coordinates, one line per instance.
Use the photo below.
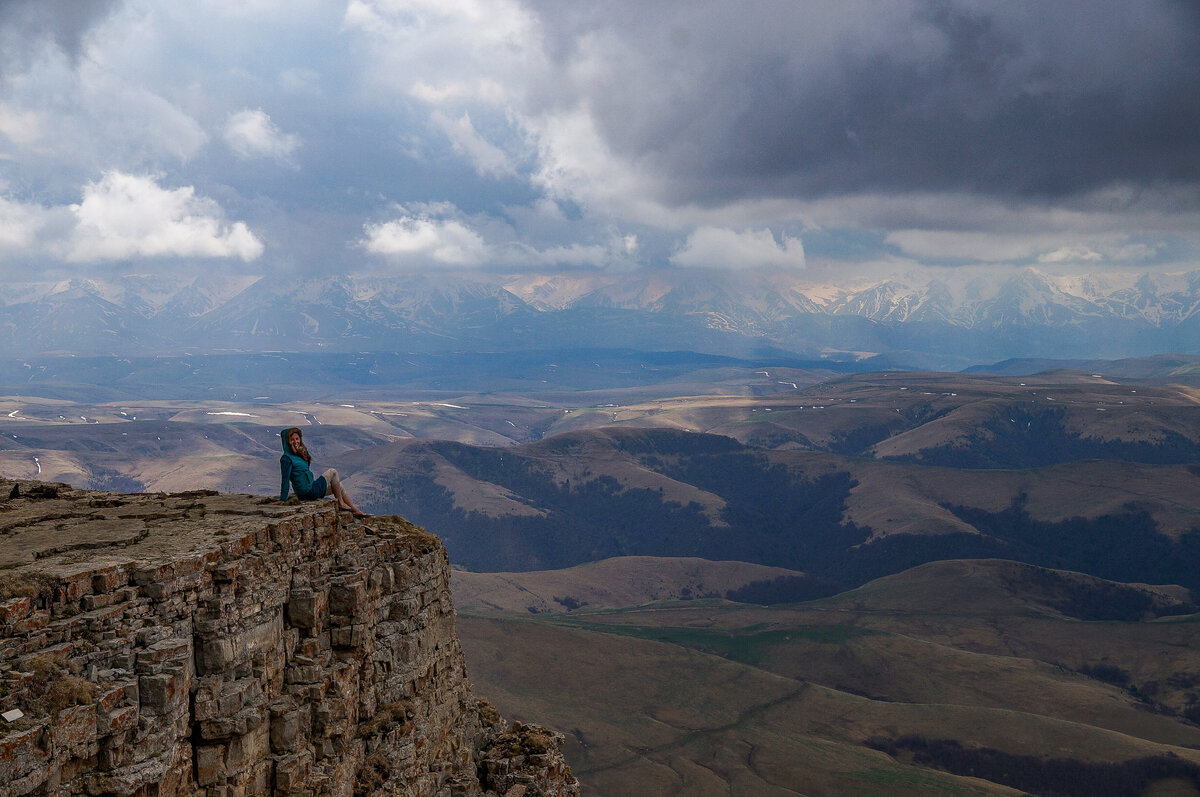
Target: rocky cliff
(203, 643)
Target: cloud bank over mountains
(382, 135)
(929, 319)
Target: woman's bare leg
(344, 501)
(339, 492)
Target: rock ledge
(210, 644)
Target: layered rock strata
(218, 645)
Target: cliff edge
(210, 644)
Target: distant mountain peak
(959, 315)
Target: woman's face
(293, 440)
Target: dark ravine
(212, 644)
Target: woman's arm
(285, 477)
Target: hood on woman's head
(285, 434)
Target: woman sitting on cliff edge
(295, 474)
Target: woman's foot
(353, 510)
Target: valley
(706, 696)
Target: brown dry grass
(55, 686)
(26, 584)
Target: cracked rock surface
(209, 644)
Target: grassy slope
(707, 697)
(611, 583)
(652, 718)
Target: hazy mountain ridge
(955, 314)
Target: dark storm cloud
(27, 24)
(815, 99)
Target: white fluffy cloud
(20, 226)
(575, 163)
(618, 252)
(469, 56)
(1070, 254)
(422, 239)
(252, 134)
(716, 247)
(125, 216)
(444, 51)
(489, 160)
(440, 235)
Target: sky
(839, 137)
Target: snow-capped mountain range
(953, 316)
